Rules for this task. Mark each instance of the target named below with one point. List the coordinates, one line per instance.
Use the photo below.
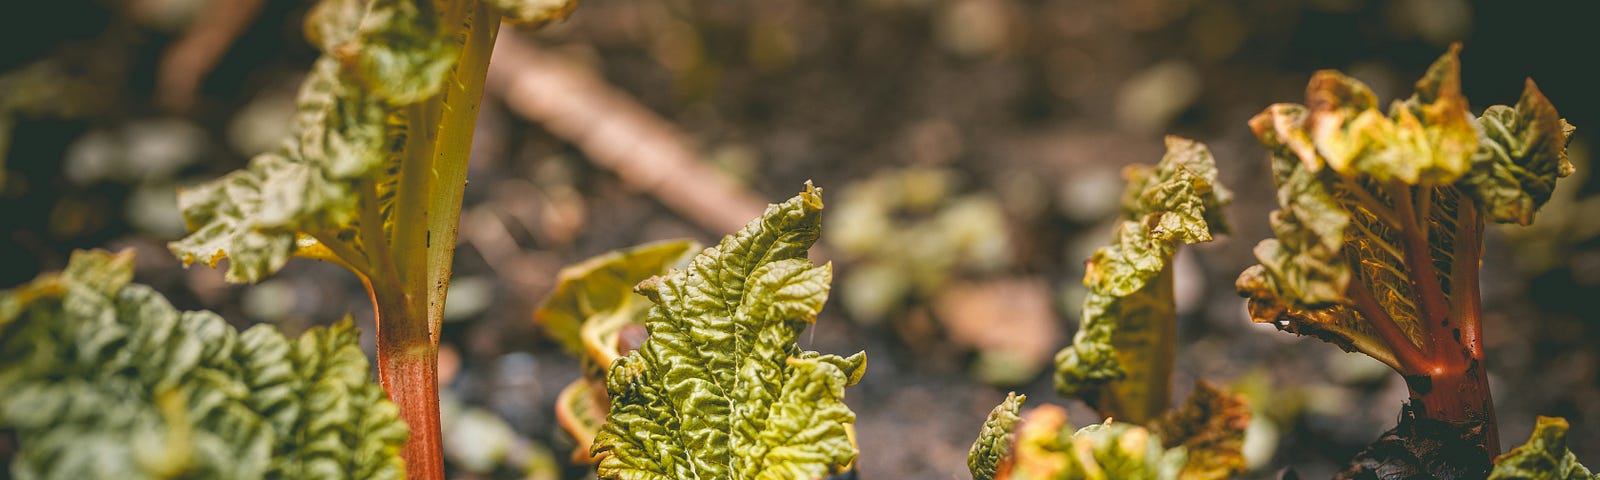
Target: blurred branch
(185, 64)
(616, 132)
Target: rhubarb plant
(720, 389)
(103, 378)
(1379, 234)
(1121, 359)
(371, 177)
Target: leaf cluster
(1378, 232)
(105, 379)
(371, 99)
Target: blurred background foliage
(972, 149)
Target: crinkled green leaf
(1210, 427)
(338, 127)
(331, 24)
(533, 13)
(254, 216)
(105, 379)
(400, 52)
(720, 389)
(1121, 358)
(221, 217)
(1428, 137)
(1339, 254)
(1047, 448)
(343, 157)
(1522, 153)
(345, 142)
(603, 284)
(1544, 457)
(395, 48)
(993, 446)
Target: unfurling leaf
(720, 389)
(1522, 153)
(1427, 138)
(400, 52)
(340, 166)
(1121, 359)
(1210, 427)
(105, 379)
(591, 306)
(1544, 457)
(601, 285)
(993, 447)
(533, 13)
(1374, 208)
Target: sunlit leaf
(720, 389)
(1121, 359)
(601, 285)
(400, 52)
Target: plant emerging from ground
(1379, 234)
(720, 389)
(1121, 360)
(371, 177)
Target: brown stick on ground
(187, 61)
(616, 132)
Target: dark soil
(836, 90)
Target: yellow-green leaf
(993, 446)
(720, 389)
(592, 304)
(601, 285)
(1121, 358)
(1428, 137)
(1544, 457)
(400, 52)
(312, 186)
